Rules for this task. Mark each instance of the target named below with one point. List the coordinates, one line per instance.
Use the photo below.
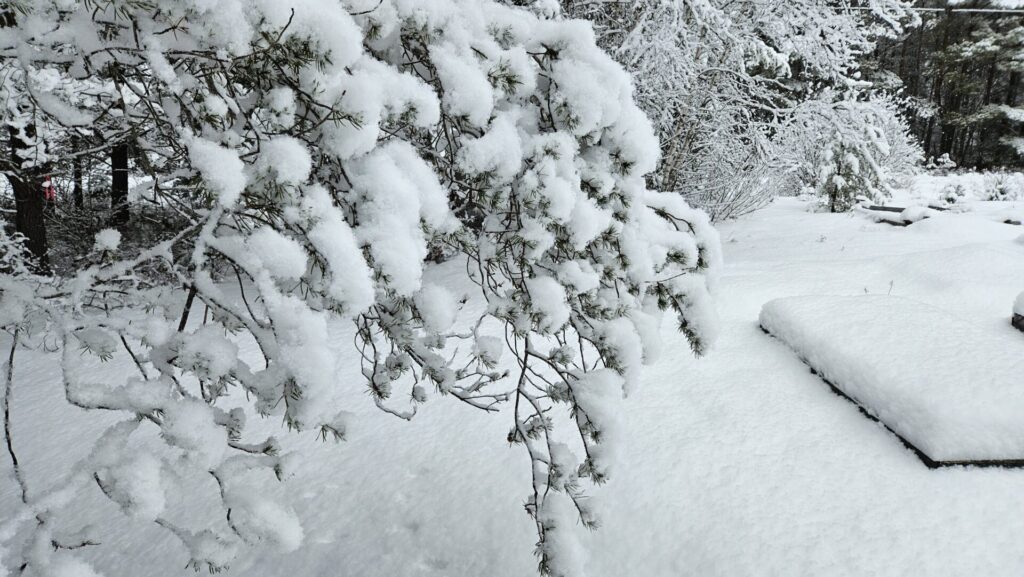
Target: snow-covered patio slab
(951, 391)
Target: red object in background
(49, 192)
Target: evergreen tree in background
(962, 71)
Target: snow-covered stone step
(950, 390)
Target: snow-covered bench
(951, 391)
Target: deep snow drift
(740, 463)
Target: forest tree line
(960, 71)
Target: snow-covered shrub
(19, 287)
(15, 259)
(964, 186)
(941, 165)
(721, 79)
(985, 186)
(952, 193)
(1003, 186)
(848, 150)
(319, 150)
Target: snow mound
(951, 389)
(915, 213)
(107, 240)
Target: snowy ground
(741, 463)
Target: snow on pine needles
(320, 154)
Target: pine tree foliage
(318, 153)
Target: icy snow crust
(952, 390)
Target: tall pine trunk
(77, 195)
(119, 185)
(119, 169)
(29, 202)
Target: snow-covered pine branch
(320, 153)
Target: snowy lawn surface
(951, 389)
(739, 463)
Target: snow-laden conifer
(320, 154)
